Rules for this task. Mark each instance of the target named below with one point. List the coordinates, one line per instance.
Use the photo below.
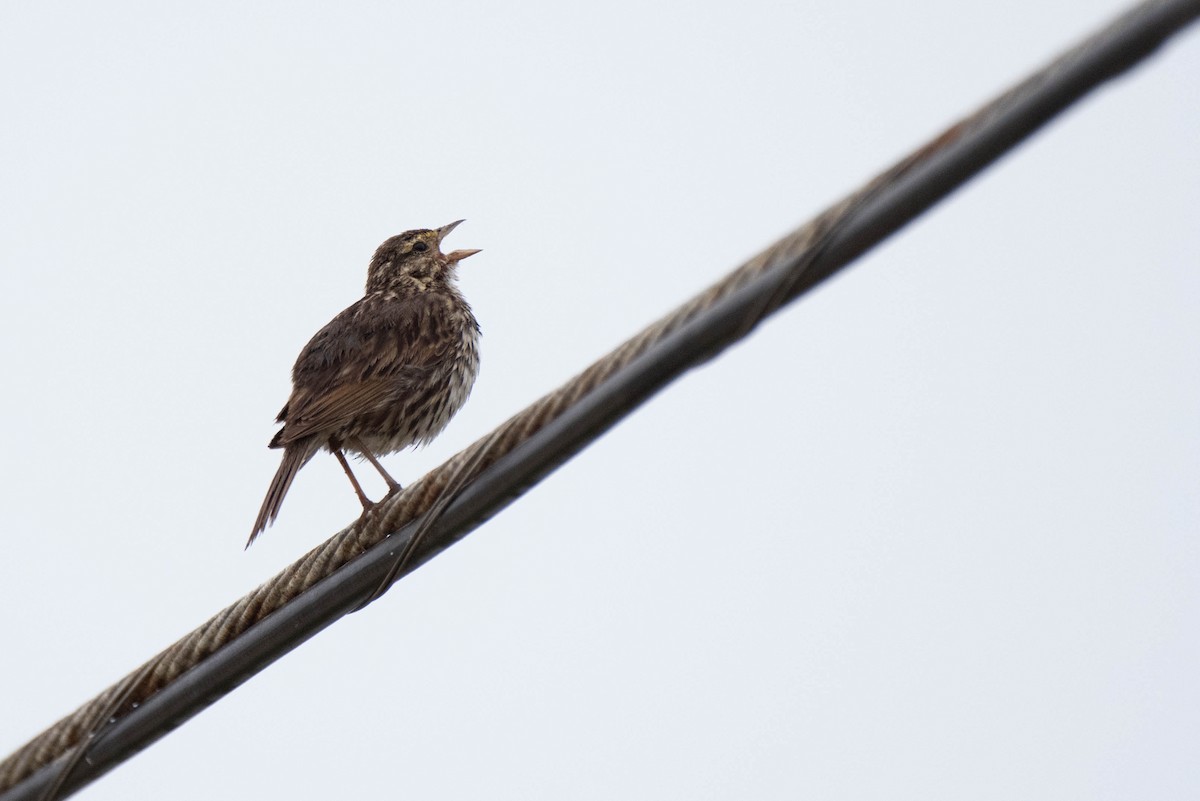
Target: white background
(930, 533)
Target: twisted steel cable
(356, 564)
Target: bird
(386, 373)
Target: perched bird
(386, 373)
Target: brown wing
(367, 358)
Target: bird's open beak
(459, 255)
(445, 230)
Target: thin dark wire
(459, 480)
(789, 280)
(104, 717)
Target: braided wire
(795, 251)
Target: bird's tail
(295, 456)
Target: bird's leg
(393, 484)
(362, 496)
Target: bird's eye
(420, 247)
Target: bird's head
(413, 261)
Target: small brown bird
(386, 373)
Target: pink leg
(392, 483)
(362, 496)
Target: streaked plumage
(388, 372)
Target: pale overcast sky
(930, 533)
